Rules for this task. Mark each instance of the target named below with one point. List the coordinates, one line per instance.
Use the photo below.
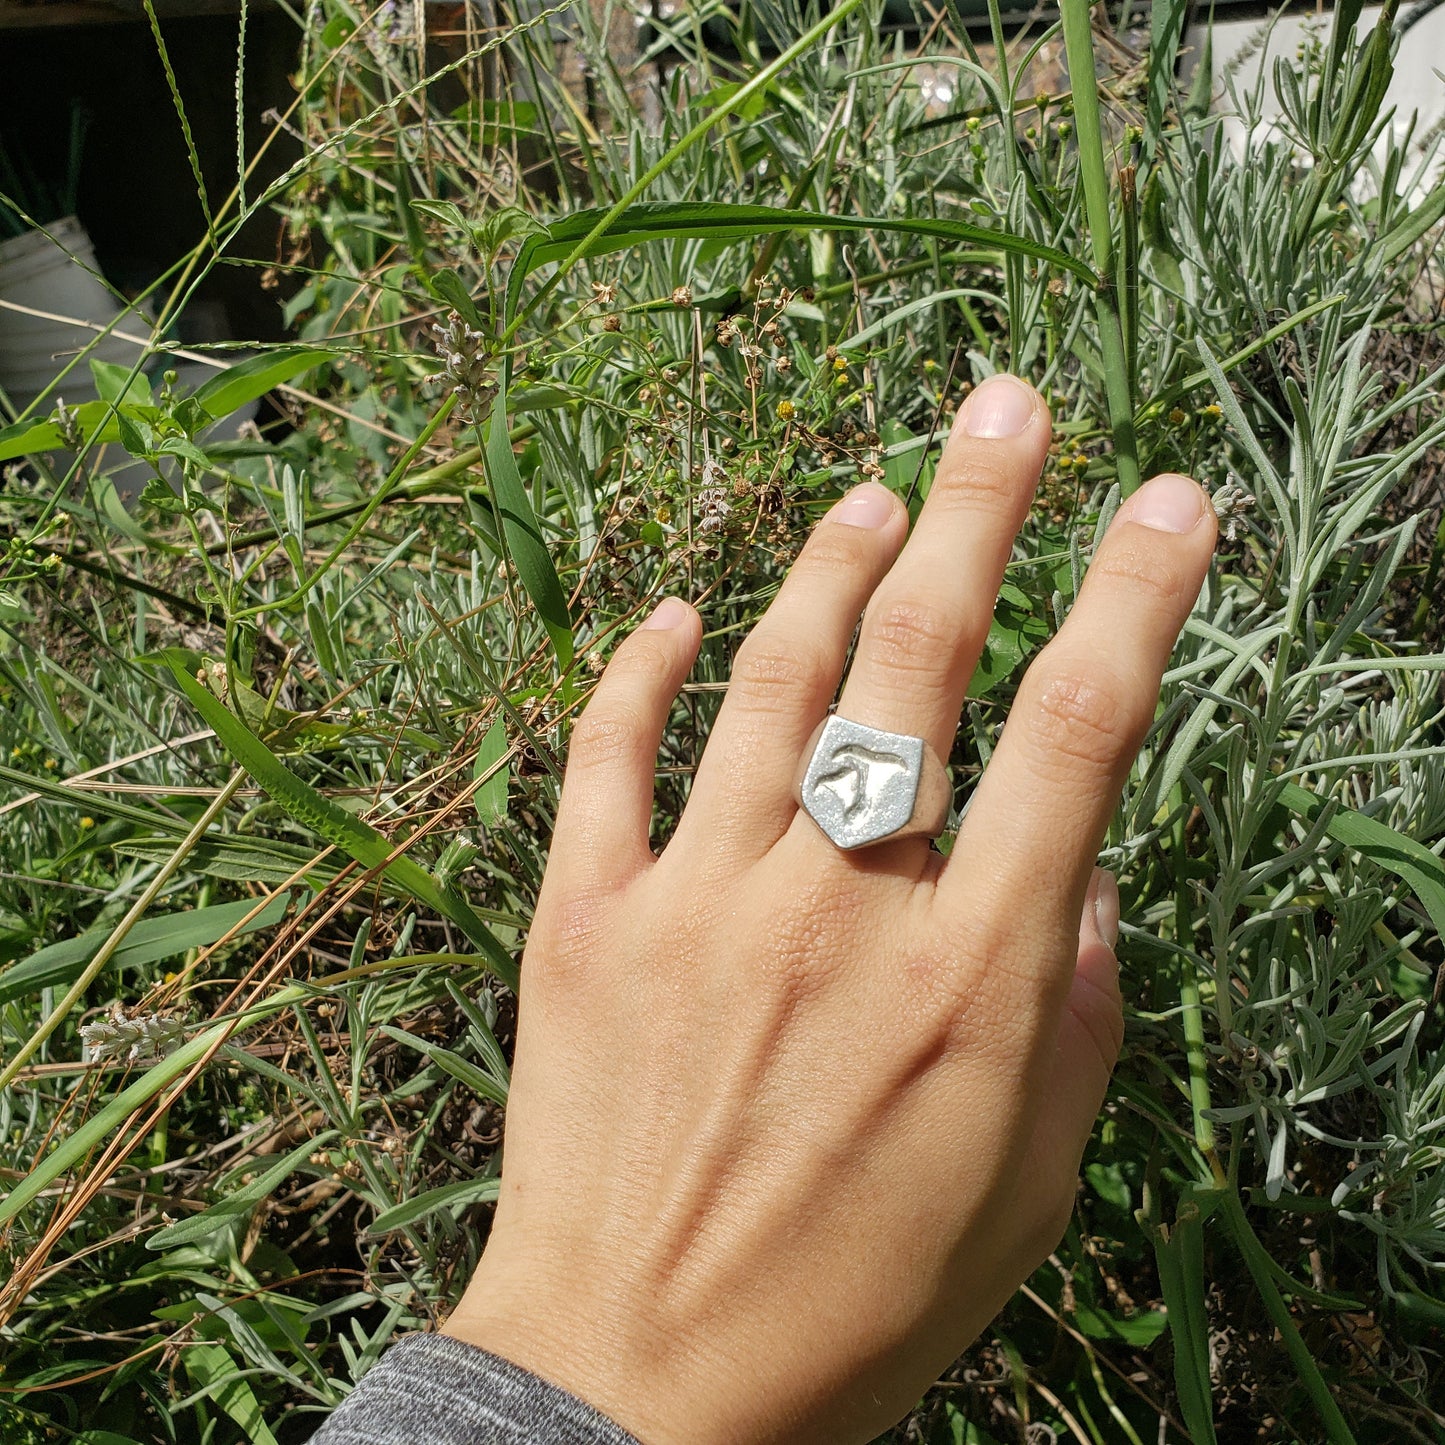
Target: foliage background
(283, 741)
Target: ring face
(861, 784)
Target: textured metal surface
(861, 784)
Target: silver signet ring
(862, 785)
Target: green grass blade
(465, 1191)
(1259, 1265)
(522, 532)
(373, 850)
(716, 221)
(236, 1201)
(1166, 29)
(1179, 1253)
(150, 940)
(1079, 48)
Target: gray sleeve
(434, 1390)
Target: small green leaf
(446, 285)
(462, 1070)
(136, 435)
(449, 1196)
(238, 1201)
(443, 211)
(490, 800)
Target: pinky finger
(605, 817)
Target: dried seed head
(465, 363)
(131, 1037)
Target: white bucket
(37, 273)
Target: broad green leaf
(24, 437)
(114, 384)
(522, 533)
(710, 220)
(254, 377)
(449, 1196)
(1411, 862)
(1012, 636)
(490, 800)
(238, 1201)
(906, 459)
(152, 938)
(373, 850)
(1139, 1329)
(213, 1369)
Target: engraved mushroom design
(860, 777)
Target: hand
(789, 1125)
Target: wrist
(600, 1350)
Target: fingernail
(1104, 896)
(670, 612)
(1168, 504)
(1002, 406)
(867, 505)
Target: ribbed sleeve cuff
(434, 1390)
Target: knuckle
(987, 481)
(571, 942)
(910, 637)
(644, 657)
(1079, 714)
(604, 734)
(1129, 567)
(949, 987)
(768, 671)
(831, 550)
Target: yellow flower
(87, 822)
(786, 411)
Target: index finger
(1084, 707)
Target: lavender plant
(284, 744)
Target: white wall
(1418, 84)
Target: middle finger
(925, 626)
